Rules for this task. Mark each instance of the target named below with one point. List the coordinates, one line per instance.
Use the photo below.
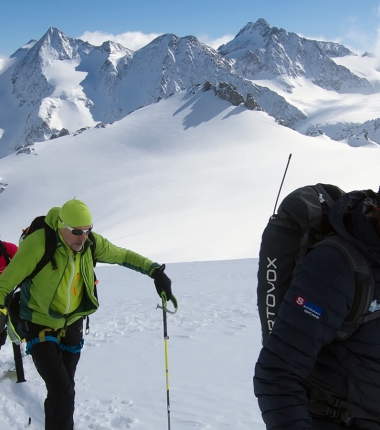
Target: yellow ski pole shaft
(166, 337)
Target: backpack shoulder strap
(50, 247)
(92, 247)
(4, 252)
(363, 285)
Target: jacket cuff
(152, 268)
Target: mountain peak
(114, 48)
(251, 37)
(53, 30)
(53, 35)
(55, 41)
(260, 26)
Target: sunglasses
(76, 231)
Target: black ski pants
(57, 368)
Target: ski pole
(282, 182)
(165, 310)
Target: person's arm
(106, 252)
(313, 310)
(11, 249)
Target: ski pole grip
(164, 303)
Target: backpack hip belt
(324, 403)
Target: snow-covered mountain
(260, 50)
(60, 85)
(190, 177)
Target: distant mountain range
(59, 85)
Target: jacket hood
(51, 218)
(350, 218)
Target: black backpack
(300, 224)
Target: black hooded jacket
(302, 344)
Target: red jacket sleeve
(11, 248)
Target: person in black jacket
(305, 379)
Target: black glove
(162, 282)
(3, 318)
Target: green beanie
(75, 214)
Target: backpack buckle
(332, 413)
(334, 402)
(346, 417)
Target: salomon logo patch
(309, 308)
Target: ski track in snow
(213, 342)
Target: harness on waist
(42, 337)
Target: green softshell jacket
(37, 294)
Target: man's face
(75, 242)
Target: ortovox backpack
(300, 224)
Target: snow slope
(189, 178)
(214, 340)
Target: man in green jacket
(54, 303)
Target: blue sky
(353, 23)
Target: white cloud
(376, 48)
(321, 38)
(131, 39)
(215, 43)
(136, 39)
(5, 62)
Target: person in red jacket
(7, 252)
